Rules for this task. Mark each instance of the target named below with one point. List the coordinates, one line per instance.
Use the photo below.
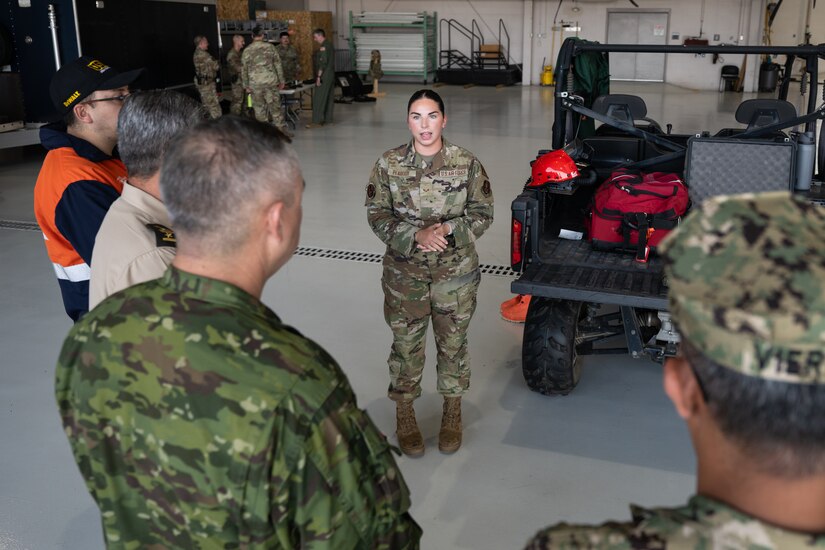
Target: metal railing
(453, 58)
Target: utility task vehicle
(587, 301)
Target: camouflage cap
(747, 284)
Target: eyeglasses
(120, 97)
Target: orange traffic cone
(515, 309)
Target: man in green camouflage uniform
(235, 66)
(206, 70)
(289, 58)
(323, 98)
(405, 194)
(747, 291)
(262, 79)
(197, 418)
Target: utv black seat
(626, 108)
(761, 112)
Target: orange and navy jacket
(76, 185)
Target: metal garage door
(637, 27)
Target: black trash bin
(768, 76)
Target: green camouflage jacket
(261, 65)
(289, 61)
(199, 420)
(403, 195)
(234, 64)
(206, 67)
(701, 523)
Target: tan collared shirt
(134, 244)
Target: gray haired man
(135, 242)
(196, 416)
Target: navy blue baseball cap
(75, 81)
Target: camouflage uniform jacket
(403, 196)
(206, 67)
(701, 523)
(261, 65)
(234, 64)
(199, 420)
(289, 61)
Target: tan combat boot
(449, 438)
(409, 436)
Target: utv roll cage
(587, 301)
(564, 127)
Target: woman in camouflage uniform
(429, 200)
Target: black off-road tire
(548, 353)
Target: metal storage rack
(407, 41)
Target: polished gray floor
(527, 460)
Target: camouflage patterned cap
(747, 284)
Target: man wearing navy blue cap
(80, 178)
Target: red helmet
(553, 167)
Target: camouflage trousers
(236, 105)
(209, 98)
(409, 304)
(266, 102)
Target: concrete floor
(527, 460)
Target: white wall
(721, 17)
(730, 19)
(485, 12)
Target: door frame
(665, 11)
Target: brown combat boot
(409, 436)
(449, 438)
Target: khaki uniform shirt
(134, 244)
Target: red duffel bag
(634, 211)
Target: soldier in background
(206, 70)
(196, 416)
(324, 96)
(747, 291)
(429, 201)
(289, 58)
(235, 66)
(263, 78)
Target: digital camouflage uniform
(262, 74)
(736, 304)
(199, 420)
(289, 61)
(403, 196)
(235, 66)
(746, 275)
(701, 523)
(206, 69)
(323, 98)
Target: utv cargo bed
(572, 270)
